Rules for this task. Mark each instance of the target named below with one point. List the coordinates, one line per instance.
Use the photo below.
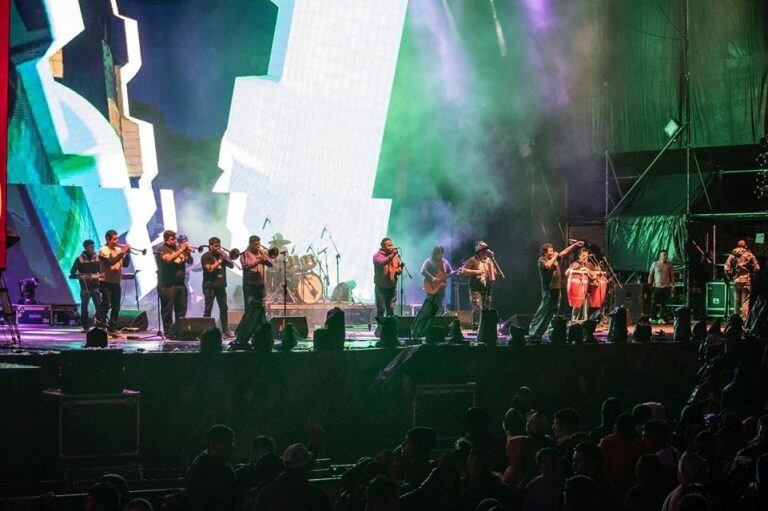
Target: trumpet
(182, 238)
(232, 253)
(136, 251)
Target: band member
(215, 263)
(550, 277)
(482, 274)
(435, 271)
(112, 259)
(173, 259)
(740, 266)
(661, 277)
(386, 268)
(254, 261)
(580, 265)
(86, 269)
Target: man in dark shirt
(172, 261)
(112, 260)
(86, 269)
(482, 274)
(215, 264)
(255, 260)
(210, 479)
(549, 276)
(292, 489)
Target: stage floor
(59, 338)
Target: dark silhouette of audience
(292, 489)
(210, 479)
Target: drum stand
(274, 297)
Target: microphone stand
(285, 283)
(159, 332)
(136, 288)
(402, 292)
(338, 255)
(323, 272)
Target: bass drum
(309, 288)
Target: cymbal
(278, 241)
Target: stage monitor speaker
(279, 323)
(444, 321)
(517, 320)
(133, 319)
(190, 329)
(635, 298)
(404, 325)
(91, 371)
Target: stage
(381, 392)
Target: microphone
(325, 229)
(266, 221)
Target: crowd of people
(637, 458)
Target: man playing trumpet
(112, 259)
(254, 261)
(215, 263)
(172, 261)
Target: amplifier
(64, 314)
(33, 314)
(636, 298)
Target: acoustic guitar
(441, 280)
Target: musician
(550, 278)
(172, 261)
(581, 265)
(112, 259)
(86, 269)
(215, 263)
(661, 277)
(741, 266)
(254, 261)
(386, 268)
(435, 269)
(482, 274)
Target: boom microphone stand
(159, 332)
(402, 292)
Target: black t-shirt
(171, 273)
(550, 277)
(217, 277)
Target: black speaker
(92, 371)
(557, 329)
(522, 321)
(335, 323)
(133, 319)
(404, 325)
(617, 327)
(635, 298)
(189, 329)
(280, 322)
(575, 333)
(486, 330)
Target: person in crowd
(210, 479)
(516, 418)
(588, 461)
(477, 434)
(544, 492)
(565, 424)
(381, 494)
(580, 494)
(741, 395)
(102, 496)
(642, 413)
(352, 488)
(621, 449)
(249, 475)
(656, 441)
(608, 412)
(745, 461)
(694, 502)
(292, 488)
(522, 451)
(120, 484)
(652, 486)
(412, 464)
(692, 470)
(482, 483)
(442, 490)
(756, 495)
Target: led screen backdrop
(336, 122)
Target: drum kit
(303, 284)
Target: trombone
(135, 251)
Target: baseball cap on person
(297, 456)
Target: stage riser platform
(182, 394)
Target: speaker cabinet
(636, 298)
(279, 323)
(718, 295)
(133, 319)
(189, 329)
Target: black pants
(253, 293)
(385, 301)
(220, 295)
(659, 298)
(543, 315)
(110, 302)
(86, 295)
(481, 300)
(173, 305)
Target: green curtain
(633, 242)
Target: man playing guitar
(86, 269)
(436, 271)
